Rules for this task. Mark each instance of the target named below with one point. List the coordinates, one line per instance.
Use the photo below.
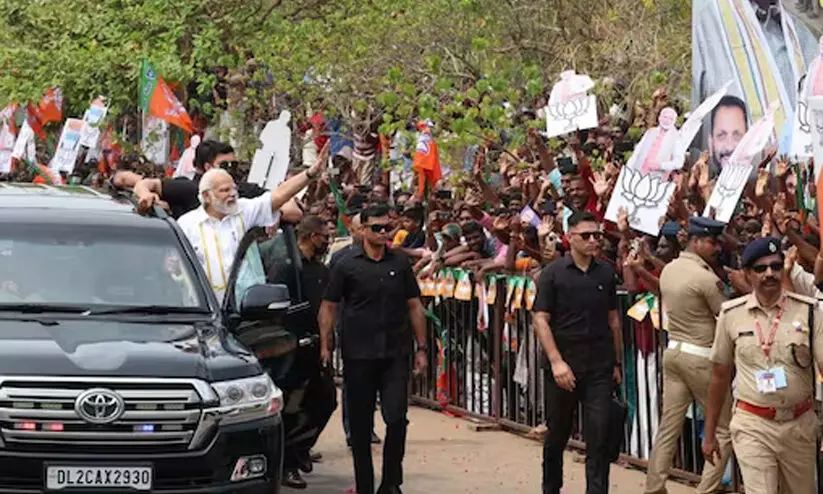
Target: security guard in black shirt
(381, 306)
(315, 398)
(578, 326)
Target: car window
(94, 265)
(250, 273)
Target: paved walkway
(444, 456)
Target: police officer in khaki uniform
(692, 294)
(766, 337)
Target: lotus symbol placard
(642, 191)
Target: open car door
(266, 317)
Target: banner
(67, 148)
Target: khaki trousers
(686, 379)
(775, 456)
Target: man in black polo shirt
(577, 323)
(181, 194)
(381, 305)
(318, 394)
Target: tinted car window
(94, 265)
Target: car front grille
(158, 415)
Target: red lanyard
(766, 345)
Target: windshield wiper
(34, 308)
(159, 310)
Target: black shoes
(293, 479)
(389, 490)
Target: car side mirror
(263, 301)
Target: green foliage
(468, 65)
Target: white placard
(155, 140)
(271, 162)
(24, 145)
(92, 120)
(727, 191)
(570, 106)
(6, 148)
(646, 197)
(67, 148)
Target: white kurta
(216, 241)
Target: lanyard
(766, 345)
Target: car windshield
(94, 266)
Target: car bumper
(207, 471)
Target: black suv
(119, 368)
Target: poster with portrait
(739, 40)
(65, 155)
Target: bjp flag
(51, 106)
(35, 118)
(426, 159)
(157, 99)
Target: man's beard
(224, 207)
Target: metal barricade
(498, 374)
(488, 364)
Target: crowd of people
(524, 209)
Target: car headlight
(249, 398)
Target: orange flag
(157, 99)
(426, 159)
(51, 106)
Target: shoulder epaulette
(735, 302)
(801, 298)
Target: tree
(469, 65)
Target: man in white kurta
(216, 228)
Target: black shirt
(375, 297)
(182, 195)
(578, 302)
(314, 277)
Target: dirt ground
(444, 455)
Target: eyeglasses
(382, 228)
(229, 164)
(761, 268)
(589, 235)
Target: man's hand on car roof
(147, 201)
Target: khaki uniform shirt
(692, 294)
(736, 343)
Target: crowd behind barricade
(508, 213)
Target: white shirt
(216, 241)
(803, 282)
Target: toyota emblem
(99, 406)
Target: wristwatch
(309, 174)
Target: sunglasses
(380, 228)
(229, 164)
(589, 235)
(761, 268)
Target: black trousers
(308, 410)
(363, 379)
(593, 391)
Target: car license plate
(92, 477)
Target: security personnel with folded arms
(692, 294)
(768, 336)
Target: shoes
(389, 490)
(293, 479)
(374, 438)
(305, 465)
(316, 457)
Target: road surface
(444, 455)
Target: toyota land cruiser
(119, 369)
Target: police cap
(705, 227)
(762, 247)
